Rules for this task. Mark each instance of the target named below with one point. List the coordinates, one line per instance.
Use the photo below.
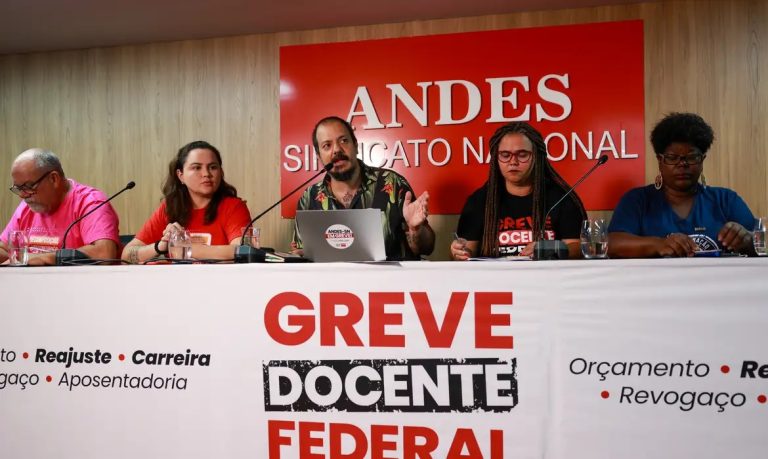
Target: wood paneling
(119, 114)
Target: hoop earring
(658, 182)
(703, 180)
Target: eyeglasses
(523, 156)
(30, 189)
(673, 160)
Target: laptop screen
(342, 235)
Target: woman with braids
(504, 216)
(196, 198)
(678, 216)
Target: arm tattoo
(413, 239)
(133, 255)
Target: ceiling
(48, 25)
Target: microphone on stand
(65, 256)
(247, 254)
(546, 249)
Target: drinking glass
(594, 238)
(758, 235)
(18, 248)
(252, 237)
(180, 245)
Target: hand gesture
(415, 212)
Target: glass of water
(180, 245)
(594, 238)
(252, 237)
(18, 248)
(758, 235)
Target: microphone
(66, 256)
(546, 249)
(248, 254)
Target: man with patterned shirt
(350, 184)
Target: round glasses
(523, 156)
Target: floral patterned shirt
(381, 189)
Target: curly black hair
(684, 128)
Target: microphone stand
(246, 253)
(547, 249)
(65, 256)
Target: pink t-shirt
(46, 230)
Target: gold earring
(658, 182)
(703, 180)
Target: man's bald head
(39, 177)
(44, 160)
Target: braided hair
(542, 173)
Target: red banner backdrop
(427, 106)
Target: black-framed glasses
(671, 159)
(523, 156)
(18, 190)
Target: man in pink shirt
(50, 203)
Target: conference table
(664, 358)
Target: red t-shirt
(232, 217)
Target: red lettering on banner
(414, 450)
(358, 439)
(485, 320)
(497, 444)
(378, 444)
(330, 322)
(464, 438)
(438, 337)
(418, 442)
(378, 319)
(275, 439)
(305, 323)
(307, 441)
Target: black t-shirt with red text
(515, 220)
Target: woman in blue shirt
(677, 215)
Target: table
(561, 359)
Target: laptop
(342, 235)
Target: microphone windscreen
(130, 185)
(603, 159)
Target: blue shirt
(645, 212)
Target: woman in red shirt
(198, 199)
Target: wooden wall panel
(117, 114)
